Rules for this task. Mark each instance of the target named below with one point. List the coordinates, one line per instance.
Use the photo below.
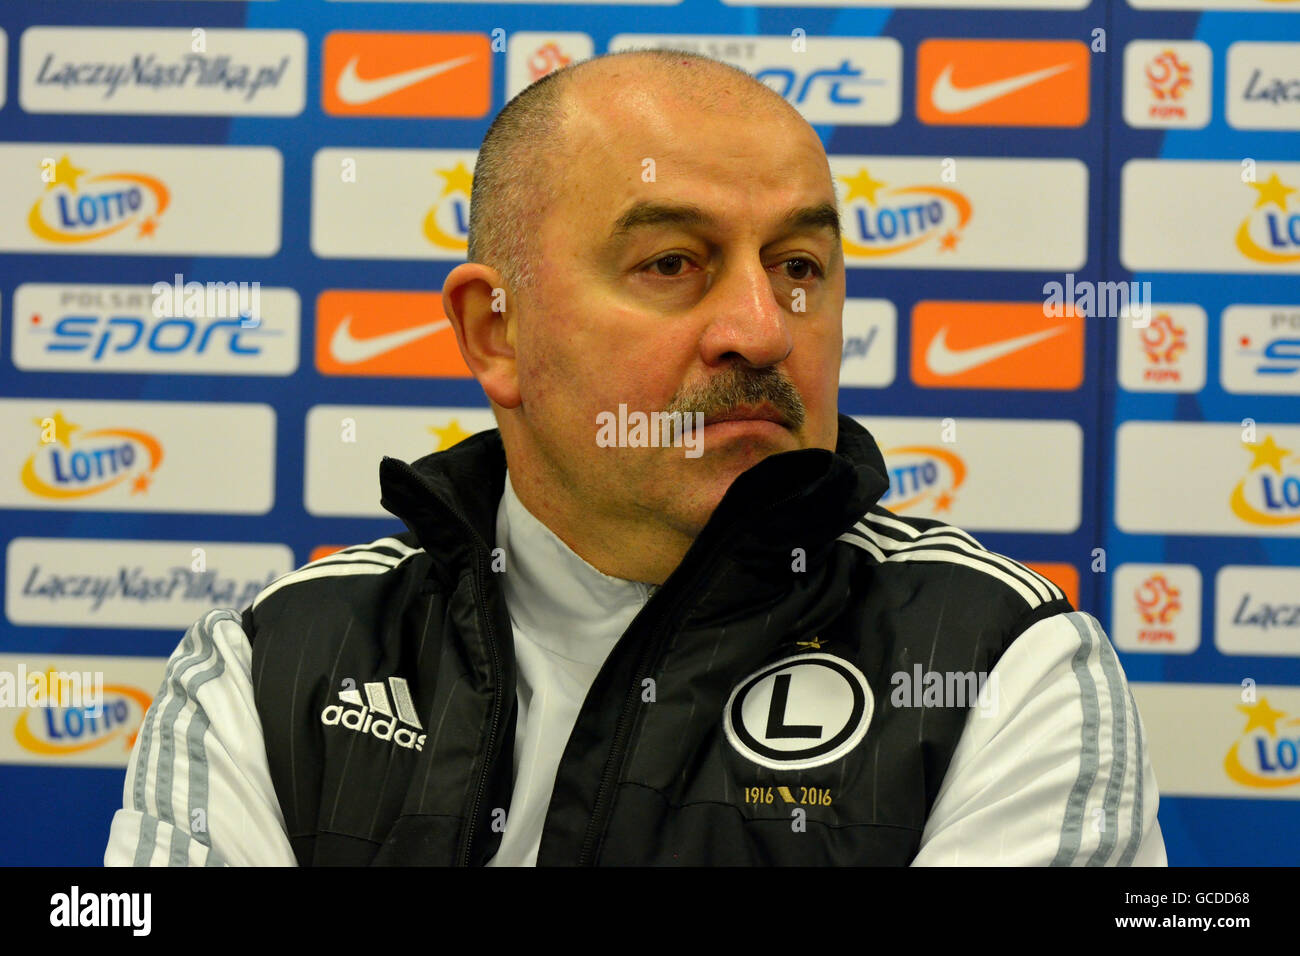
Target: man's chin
(707, 478)
(740, 445)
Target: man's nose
(746, 318)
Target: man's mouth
(749, 413)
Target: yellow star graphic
(1261, 715)
(1272, 191)
(65, 174)
(1267, 452)
(63, 428)
(449, 435)
(458, 179)
(862, 185)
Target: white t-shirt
(1027, 784)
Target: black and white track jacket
(801, 690)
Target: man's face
(690, 253)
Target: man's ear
(479, 307)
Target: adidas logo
(376, 716)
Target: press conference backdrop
(1072, 232)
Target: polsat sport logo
(1269, 495)
(1270, 232)
(446, 223)
(921, 475)
(883, 219)
(76, 462)
(59, 730)
(83, 206)
(1267, 754)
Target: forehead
(746, 158)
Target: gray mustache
(742, 385)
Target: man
(640, 654)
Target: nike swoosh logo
(947, 361)
(355, 91)
(951, 99)
(349, 350)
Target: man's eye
(804, 268)
(672, 265)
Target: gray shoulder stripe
(181, 658)
(198, 767)
(1119, 746)
(1135, 830)
(180, 683)
(1072, 826)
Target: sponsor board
(936, 212)
(531, 55)
(1257, 611)
(122, 328)
(163, 71)
(841, 80)
(1166, 355)
(391, 203)
(870, 342)
(1156, 608)
(1259, 351)
(1205, 478)
(1002, 82)
(92, 582)
(346, 443)
(1222, 740)
(80, 455)
(79, 736)
(141, 200)
(996, 475)
(1245, 216)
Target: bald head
(522, 169)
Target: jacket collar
(801, 499)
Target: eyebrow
(657, 213)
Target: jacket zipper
(493, 726)
(614, 762)
(485, 613)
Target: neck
(621, 547)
